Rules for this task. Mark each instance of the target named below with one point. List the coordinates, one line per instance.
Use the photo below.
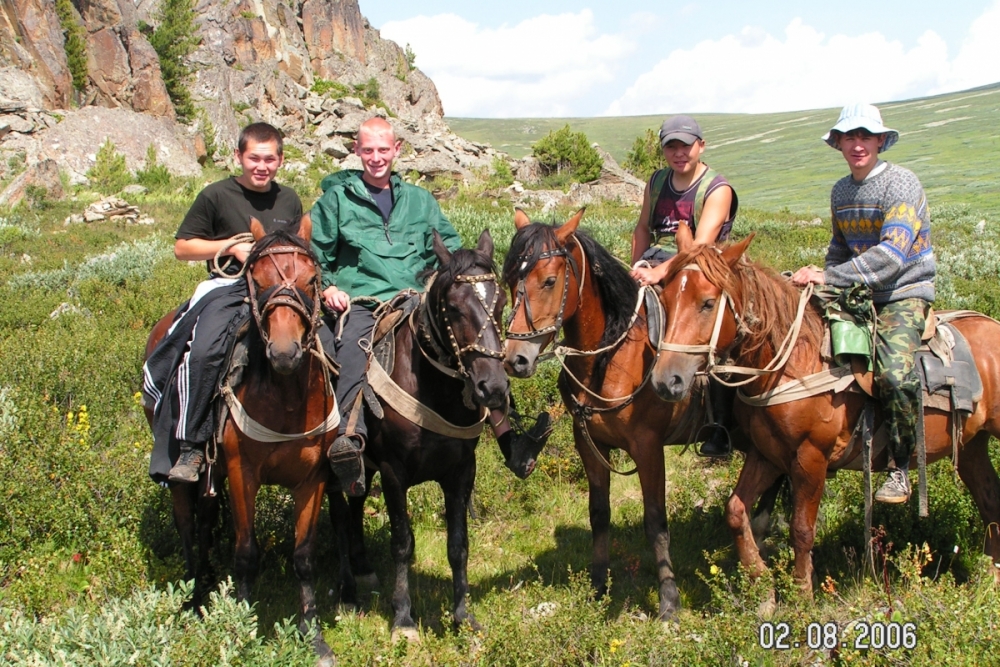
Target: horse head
(465, 305)
(697, 299)
(284, 286)
(543, 277)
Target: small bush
(566, 152)
(411, 58)
(110, 173)
(127, 261)
(645, 156)
(153, 174)
(502, 176)
(333, 89)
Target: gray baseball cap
(683, 128)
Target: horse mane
(766, 301)
(283, 235)
(462, 260)
(617, 288)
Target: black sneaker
(717, 443)
(188, 465)
(345, 459)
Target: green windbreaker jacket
(361, 255)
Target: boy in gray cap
(689, 192)
(881, 238)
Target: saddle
(389, 317)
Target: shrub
(174, 39)
(566, 152)
(74, 43)
(645, 156)
(127, 261)
(110, 173)
(153, 174)
(502, 176)
(333, 89)
(411, 58)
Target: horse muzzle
(521, 359)
(285, 359)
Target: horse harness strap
(257, 431)
(286, 295)
(414, 410)
(521, 296)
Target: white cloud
(978, 59)
(755, 72)
(539, 67)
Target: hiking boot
(188, 465)
(538, 433)
(345, 459)
(896, 488)
(717, 443)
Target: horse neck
(296, 388)
(584, 329)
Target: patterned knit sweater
(881, 235)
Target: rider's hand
(336, 299)
(643, 275)
(240, 251)
(808, 274)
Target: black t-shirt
(223, 209)
(383, 199)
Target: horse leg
(185, 499)
(457, 501)
(761, 521)
(808, 475)
(648, 457)
(978, 473)
(340, 517)
(757, 475)
(243, 499)
(599, 481)
(401, 546)
(364, 573)
(308, 502)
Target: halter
(285, 294)
(521, 295)
(436, 337)
(715, 369)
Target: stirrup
(710, 447)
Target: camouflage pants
(897, 332)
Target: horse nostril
(520, 362)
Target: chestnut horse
(278, 427)
(751, 309)
(448, 357)
(560, 278)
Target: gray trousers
(353, 362)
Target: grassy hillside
(777, 160)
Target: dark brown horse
(561, 279)
(278, 425)
(448, 358)
(807, 437)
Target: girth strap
(257, 431)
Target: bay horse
(448, 358)
(751, 308)
(561, 279)
(280, 418)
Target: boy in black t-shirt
(181, 375)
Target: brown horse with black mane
(561, 279)
(751, 309)
(280, 418)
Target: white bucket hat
(854, 116)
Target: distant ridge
(777, 160)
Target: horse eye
(549, 282)
(708, 305)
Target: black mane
(617, 288)
(283, 235)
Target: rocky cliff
(257, 60)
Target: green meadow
(90, 563)
(777, 161)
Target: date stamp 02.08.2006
(864, 635)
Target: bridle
(437, 336)
(521, 295)
(286, 294)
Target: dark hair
(260, 133)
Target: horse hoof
(347, 609)
(767, 608)
(327, 661)
(369, 581)
(411, 635)
(322, 649)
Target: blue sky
(560, 58)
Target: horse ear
(257, 229)
(521, 219)
(733, 253)
(440, 249)
(305, 227)
(485, 244)
(567, 229)
(685, 239)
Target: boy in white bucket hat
(881, 238)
